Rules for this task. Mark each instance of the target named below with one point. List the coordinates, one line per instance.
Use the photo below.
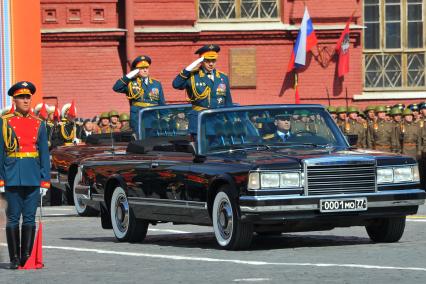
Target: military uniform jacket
(382, 136)
(410, 138)
(24, 153)
(353, 127)
(202, 91)
(139, 92)
(65, 133)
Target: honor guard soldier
(67, 130)
(370, 112)
(409, 135)
(353, 127)
(382, 134)
(104, 124)
(205, 86)
(124, 120)
(141, 90)
(24, 171)
(416, 112)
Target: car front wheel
(387, 230)
(230, 232)
(124, 224)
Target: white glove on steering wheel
(132, 74)
(43, 191)
(1, 189)
(194, 64)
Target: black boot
(28, 233)
(12, 235)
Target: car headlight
(398, 174)
(277, 180)
(385, 175)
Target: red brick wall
(92, 66)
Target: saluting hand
(132, 74)
(194, 64)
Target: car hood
(295, 157)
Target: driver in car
(283, 133)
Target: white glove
(1, 189)
(76, 141)
(132, 74)
(43, 191)
(194, 64)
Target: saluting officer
(24, 170)
(353, 127)
(141, 90)
(206, 87)
(410, 135)
(382, 134)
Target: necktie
(286, 136)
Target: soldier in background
(353, 127)
(409, 134)
(104, 125)
(114, 119)
(332, 111)
(124, 120)
(416, 112)
(396, 115)
(341, 116)
(370, 113)
(382, 134)
(66, 132)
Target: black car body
(240, 181)
(66, 159)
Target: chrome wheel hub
(122, 213)
(224, 219)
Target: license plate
(343, 205)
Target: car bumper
(286, 207)
(58, 180)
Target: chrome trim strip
(167, 203)
(98, 197)
(292, 197)
(377, 204)
(337, 160)
(305, 171)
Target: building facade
(87, 45)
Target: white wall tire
(80, 207)
(124, 224)
(230, 232)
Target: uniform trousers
(21, 200)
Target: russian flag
(306, 39)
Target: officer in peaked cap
(140, 88)
(24, 170)
(205, 86)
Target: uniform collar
(17, 113)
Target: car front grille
(340, 179)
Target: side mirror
(352, 139)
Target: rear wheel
(230, 232)
(81, 208)
(124, 224)
(387, 230)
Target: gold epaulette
(220, 72)
(8, 115)
(268, 136)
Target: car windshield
(268, 127)
(164, 121)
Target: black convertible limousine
(264, 169)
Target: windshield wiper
(286, 144)
(244, 147)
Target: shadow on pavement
(207, 241)
(4, 265)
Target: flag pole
(328, 96)
(296, 94)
